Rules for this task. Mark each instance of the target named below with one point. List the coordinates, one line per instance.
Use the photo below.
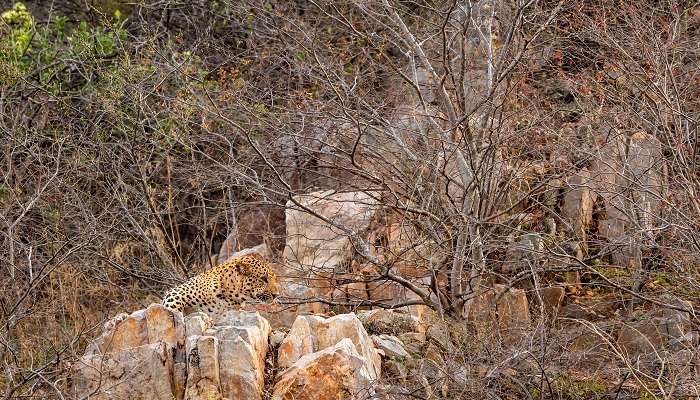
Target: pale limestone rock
(314, 245)
(241, 372)
(147, 326)
(390, 346)
(197, 323)
(146, 355)
(143, 372)
(203, 368)
(312, 333)
(276, 338)
(335, 372)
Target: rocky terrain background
(461, 199)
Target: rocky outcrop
(312, 333)
(157, 354)
(331, 358)
(139, 355)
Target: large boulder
(156, 354)
(336, 372)
(143, 372)
(137, 355)
(312, 333)
(316, 246)
(317, 250)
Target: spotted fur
(225, 286)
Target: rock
(141, 353)
(196, 323)
(589, 350)
(336, 372)
(411, 255)
(262, 249)
(381, 321)
(147, 355)
(431, 370)
(391, 346)
(506, 312)
(242, 347)
(577, 208)
(314, 246)
(686, 362)
(312, 333)
(393, 392)
(434, 353)
(284, 315)
(250, 326)
(633, 165)
(241, 371)
(148, 326)
(644, 337)
(413, 341)
(593, 309)
(151, 325)
(395, 370)
(552, 298)
(524, 254)
(437, 334)
(276, 338)
(143, 372)
(203, 368)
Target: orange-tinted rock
(508, 314)
(334, 373)
(312, 333)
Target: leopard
(227, 286)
